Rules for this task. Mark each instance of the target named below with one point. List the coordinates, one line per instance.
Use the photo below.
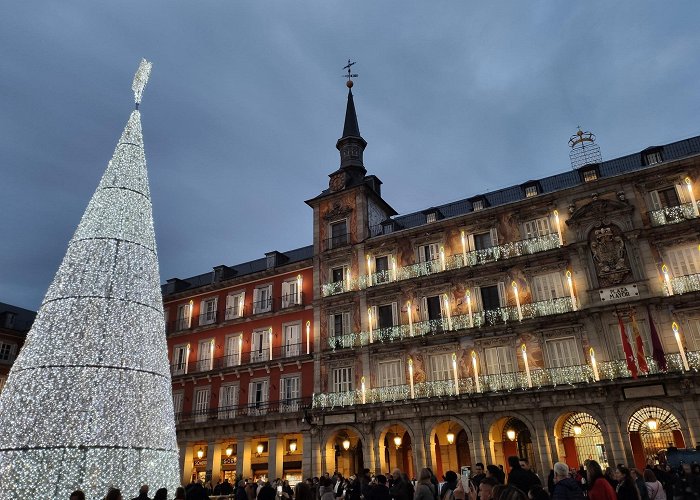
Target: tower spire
(88, 401)
(351, 145)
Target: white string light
(88, 402)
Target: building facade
(241, 345)
(558, 319)
(15, 322)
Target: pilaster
(214, 451)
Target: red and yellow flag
(641, 360)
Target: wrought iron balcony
(673, 215)
(243, 410)
(685, 284)
(235, 360)
(460, 322)
(457, 261)
(539, 378)
(337, 241)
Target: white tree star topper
(141, 79)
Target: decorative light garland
(96, 350)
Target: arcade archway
(449, 447)
(510, 436)
(580, 438)
(396, 450)
(344, 453)
(653, 430)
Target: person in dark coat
(496, 473)
(565, 486)
(379, 491)
(626, 487)
(400, 490)
(478, 474)
(143, 493)
(447, 491)
(266, 492)
(225, 488)
(521, 478)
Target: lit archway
(581, 439)
(344, 452)
(510, 436)
(449, 445)
(396, 450)
(653, 430)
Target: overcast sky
(246, 102)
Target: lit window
(478, 205)
(530, 191)
(431, 217)
(590, 175)
(654, 158)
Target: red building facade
(241, 346)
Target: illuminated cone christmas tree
(88, 402)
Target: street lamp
(577, 430)
(260, 449)
(450, 437)
(510, 433)
(652, 424)
(346, 444)
(200, 453)
(292, 446)
(229, 450)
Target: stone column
(368, 454)
(419, 457)
(617, 452)
(477, 445)
(186, 459)
(544, 447)
(243, 468)
(690, 409)
(214, 451)
(275, 457)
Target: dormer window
(478, 202)
(531, 188)
(653, 158)
(589, 173)
(478, 205)
(431, 217)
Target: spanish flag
(629, 357)
(641, 360)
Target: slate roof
(557, 182)
(251, 267)
(23, 319)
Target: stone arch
(502, 447)
(390, 456)
(650, 444)
(628, 409)
(446, 456)
(555, 417)
(335, 457)
(579, 436)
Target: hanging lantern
(510, 434)
(450, 437)
(200, 453)
(346, 444)
(229, 450)
(577, 430)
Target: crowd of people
(485, 483)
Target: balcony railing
(461, 322)
(457, 261)
(290, 351)
(539, 378)
(244, 410)
(673, 215)
(215, 317)
(685, 284)
(337, 241)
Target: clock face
(337, 182)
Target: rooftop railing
(489, 383)
(456, 261)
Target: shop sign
(200, 462)
(624, 292)
(229, 460)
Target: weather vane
(350, 74)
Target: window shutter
(265, 391)
(655, 200)
(375, 319)
(285, 294)
(331, 325)
(494, 236)
(502, 297)
(424, 308)
(251, 393)
(477, 303)
(241, 304)
(395, 313)
(233, 349)
(256, 299)
(470, 243)
(682, 192)
(346, 322)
